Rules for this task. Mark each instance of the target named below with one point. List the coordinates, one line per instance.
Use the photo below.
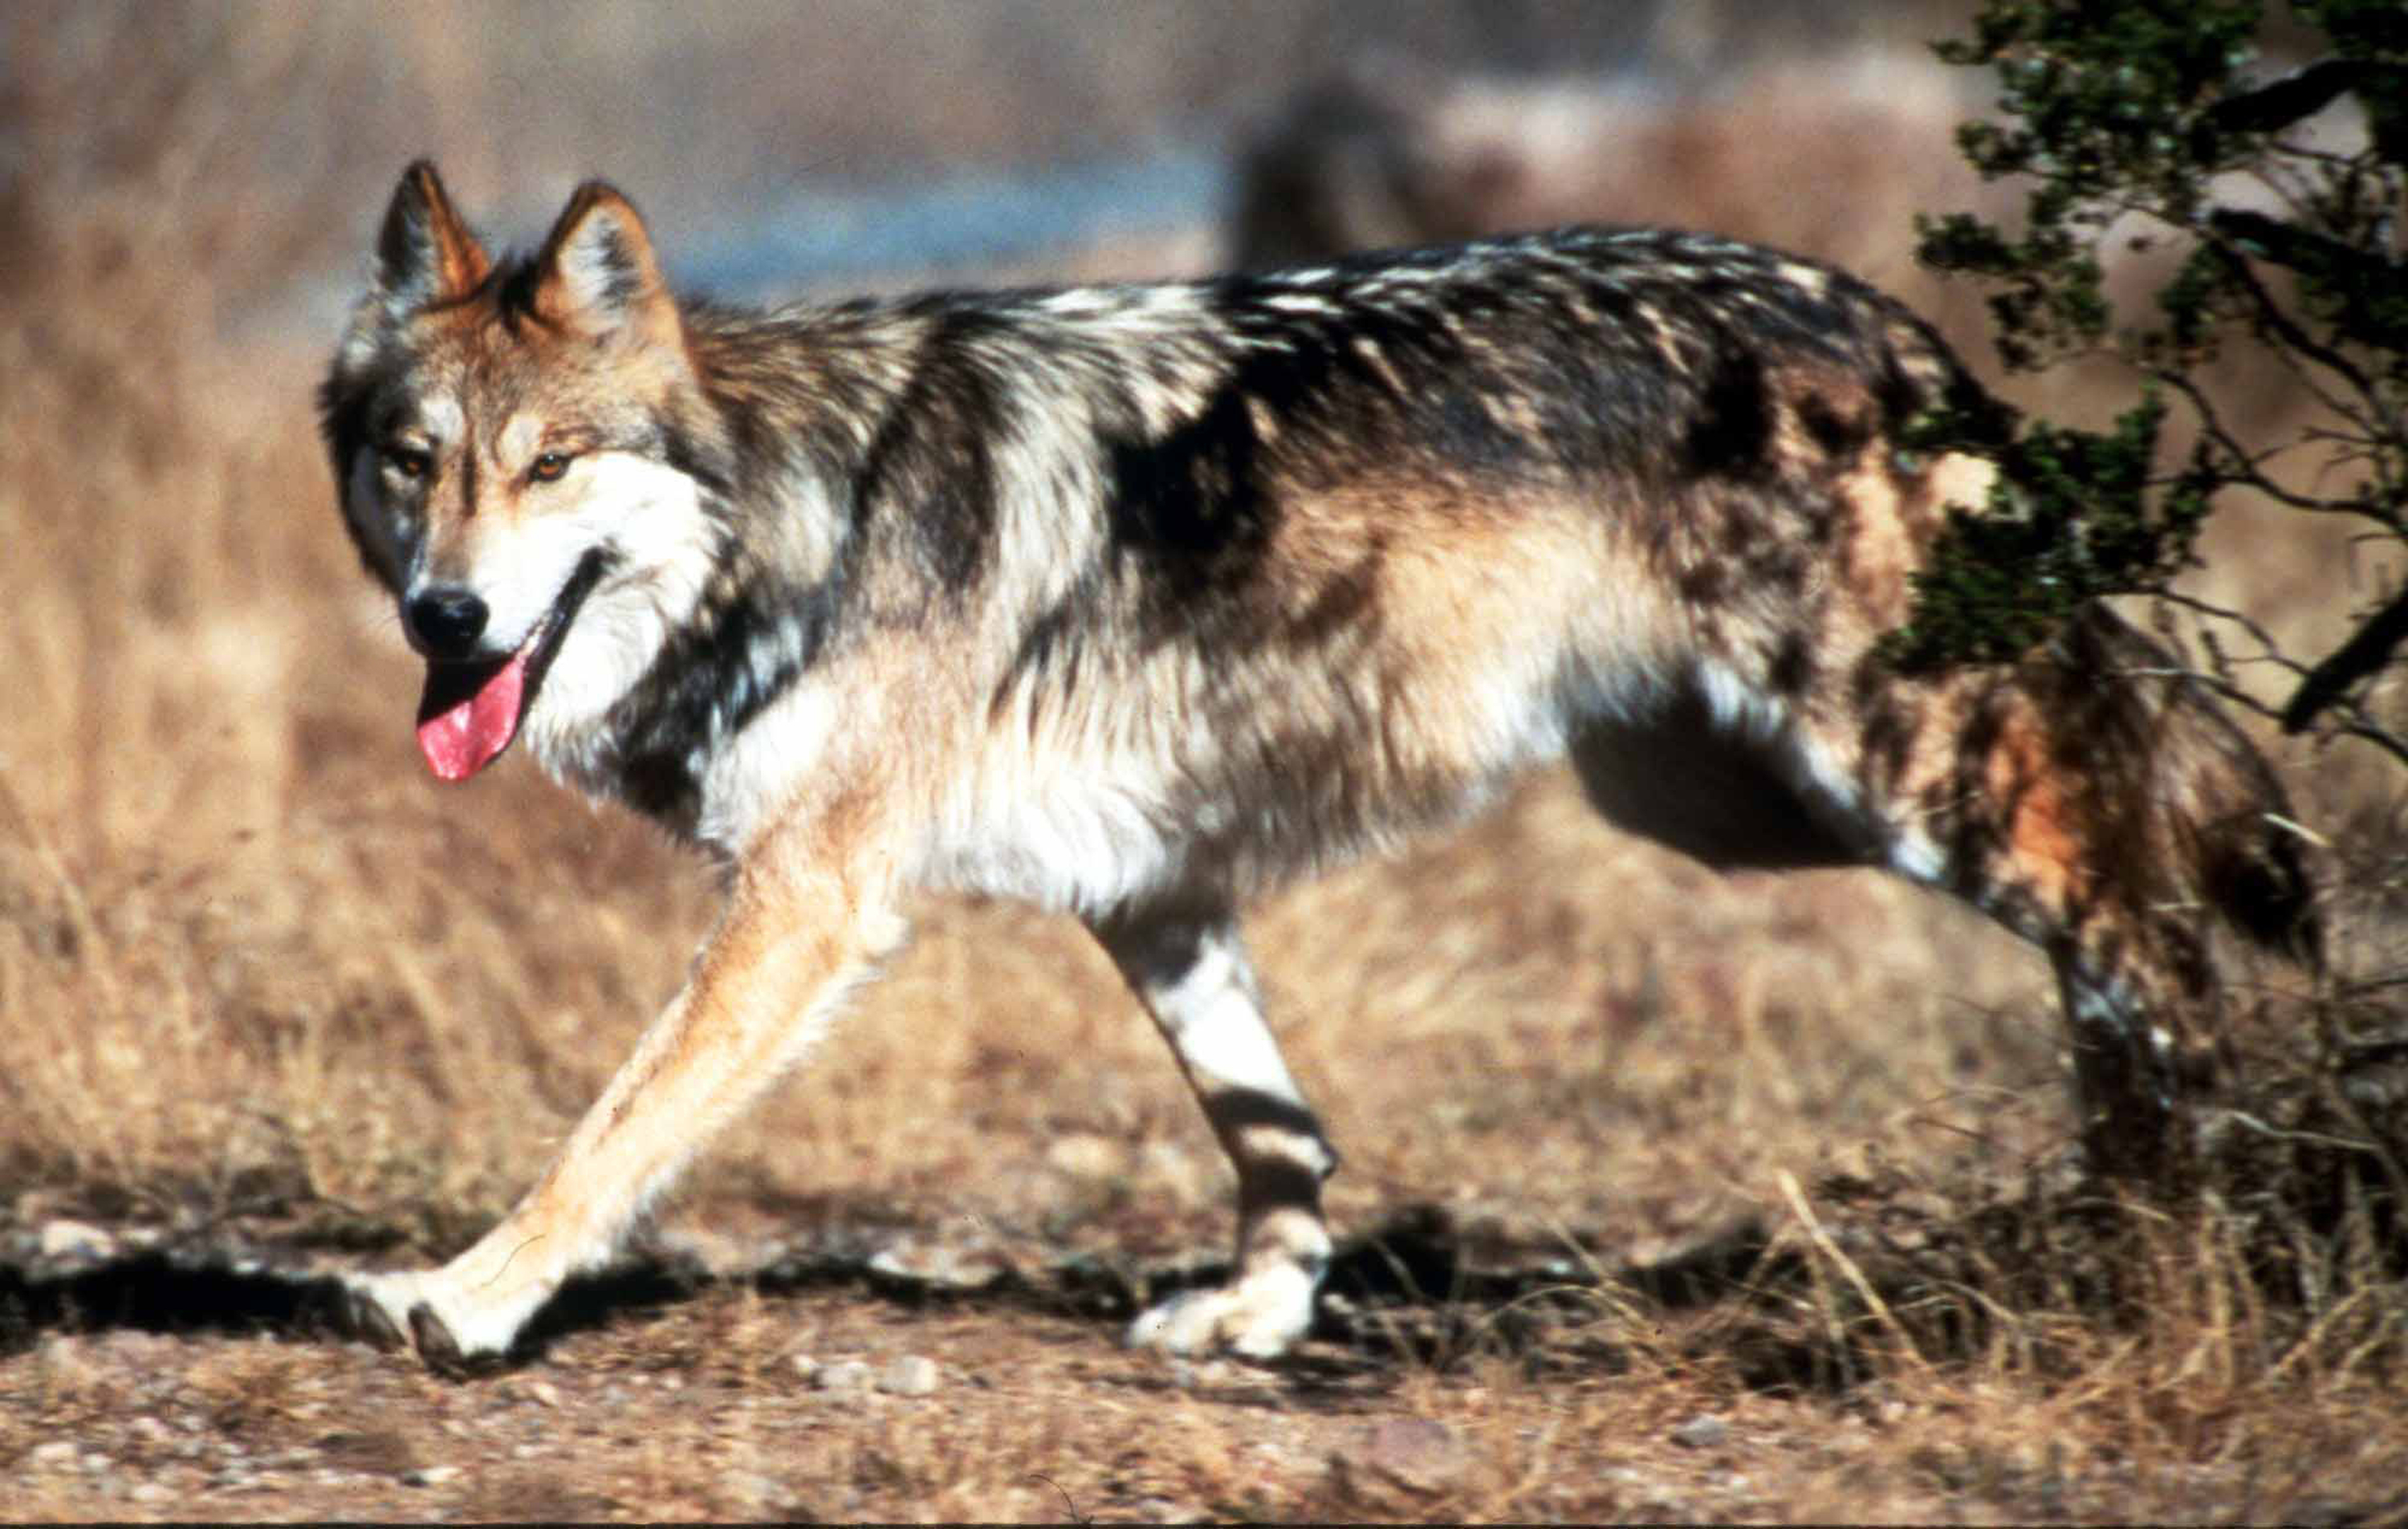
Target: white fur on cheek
(650, 515)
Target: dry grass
(255, 970)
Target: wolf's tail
(2220, 823)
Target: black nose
(448, 622)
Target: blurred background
(249, 956)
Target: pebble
(1702, 1432)
(1087, 1155)
(844, 1374)
(1187, 1375)
(429, 1475)
(1419, 1454)
(65, 1238)
(57, 1451)
(945, 1265)
(913, 1375)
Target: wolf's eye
(408, 461)
(548, 467)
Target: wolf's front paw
(1260, 1317)
(403, 1310)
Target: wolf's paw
(401, 1310)
(1260, 1317)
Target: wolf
(1133, 601)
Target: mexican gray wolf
(1131, 601)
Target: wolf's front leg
(1191, 972)
(788, 950)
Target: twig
(1847, 1266)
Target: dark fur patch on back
(1731, 433)
(930, 469)
(1191, 506)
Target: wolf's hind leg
(1189, 969)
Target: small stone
(1419, 1454)
(757, 1492)
(845, 1375)
(63, 1238)
(913, 1375)
(948, 1266)
(543, 1394)
(57, 1451)
(1702, 1432)
(1087, 1155)
(96, 1463)
(150, 1491)
(429, 1475)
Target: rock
(913, 1375)
(1087, 1155)
(150, 1491)
(63, 1238)
(1188, 1374)
(1702, 1432)
(758, 1494)
(57, 1451)
(1420, 1455)
(947, 1265)
(844, 1374)
(429, 1475)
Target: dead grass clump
(2210, 1327)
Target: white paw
(401, 1309)
(1258, 1317)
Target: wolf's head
(521, 450)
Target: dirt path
(883, 1374)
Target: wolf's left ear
(597, 274)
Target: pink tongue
(469, 713)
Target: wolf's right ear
(426, 253)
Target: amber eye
(548, 467)
(408, 461)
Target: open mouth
(470, 711)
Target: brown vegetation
(1743, 1198)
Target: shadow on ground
(1412, 1290)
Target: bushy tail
(2223, 823)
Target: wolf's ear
(426, 253)
(597, 274)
